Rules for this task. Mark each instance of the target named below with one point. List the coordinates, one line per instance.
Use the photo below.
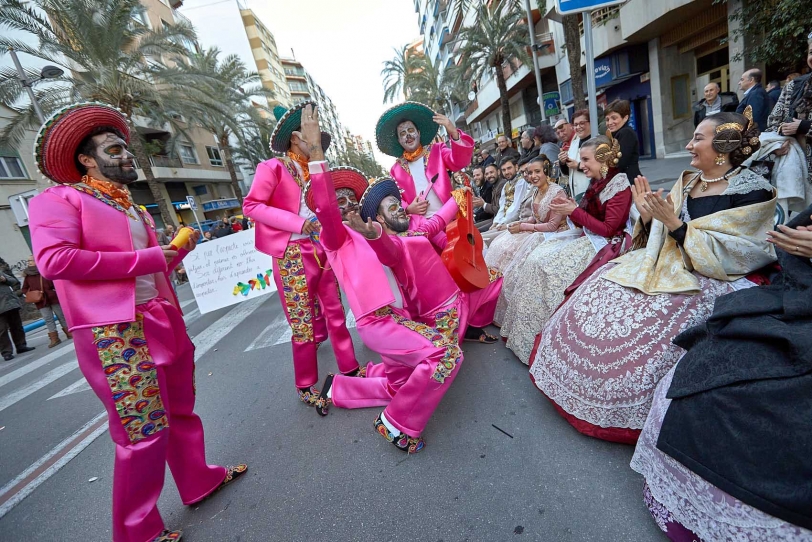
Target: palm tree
(398, 74)
(435, 88)
(253, 145)
(572, 41)
(496, 40)
(110, 57)
(227, 103)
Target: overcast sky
(342, 43)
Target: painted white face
(408, 136)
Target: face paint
(346, 201)
(394, 216)
(113, 159)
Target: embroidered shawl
(725, 245)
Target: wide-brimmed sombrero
(289, 121)
(386, 129)
(375, 193)
(343, 177)
(60, 136)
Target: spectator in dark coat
(714, 102)
(529, 149)
(486, 158)
(245, 223)
(617, 121)
(755, 96)
(485, 202)
(773, 93)
(10, 320)
(49, 305)
(506, 150)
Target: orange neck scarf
(414, 155)
(119, 195)
(303, 163)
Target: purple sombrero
(62, 133)
(343, 177)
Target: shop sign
(219, 204)
(603, 71)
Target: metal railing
(601, 17)
(160, 161)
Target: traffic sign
(567, 7)
(192, 203)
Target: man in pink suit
(286, 229)
(419, 357)
(111, 275)
(406, 132)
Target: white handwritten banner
(228, 270)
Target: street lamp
(48, 72)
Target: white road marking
(77, 387)
(7, 504)
(47, 378)
(269, 334)
(36, 364)
(204, 342)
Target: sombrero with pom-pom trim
(289, 121)
(343, 177)
(57, 140)
(386, 130)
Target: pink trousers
(311, 300)
(419, 363)
(143, 372)
(482, 303)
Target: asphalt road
(313, 478)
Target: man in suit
(285, 230)
(755, 96)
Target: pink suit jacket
(354, 262)
(441, 159)
(85, 246)
(421, 274)
(273, 202)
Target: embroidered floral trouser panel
(420, 361)
(312, 303)
(143, 372)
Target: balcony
(166, 168)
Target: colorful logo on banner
(261, 282)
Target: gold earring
(604, 170)
(720, 160)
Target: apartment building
(358, 143)
(195, 168)
(302, 88)
(658, 55)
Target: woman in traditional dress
(534, 216)
(555, 264)
(600, 356)
(725, 448)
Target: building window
(187, 154)
(140, 17)
(214, 156)
(680, 97)
(200, 190)
(11, 167)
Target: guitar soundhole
(470, 239)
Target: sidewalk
(663, 172)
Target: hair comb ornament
(748, 114)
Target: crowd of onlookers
(560, 143)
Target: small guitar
(463, 255)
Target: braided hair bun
(736, 135)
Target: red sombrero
(62, 133)
(343, 177)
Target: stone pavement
(663, 172)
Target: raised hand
(564, 206)
(639, 190)
(446, 123)
(367, 229)
(662, 209)
(311, 132)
